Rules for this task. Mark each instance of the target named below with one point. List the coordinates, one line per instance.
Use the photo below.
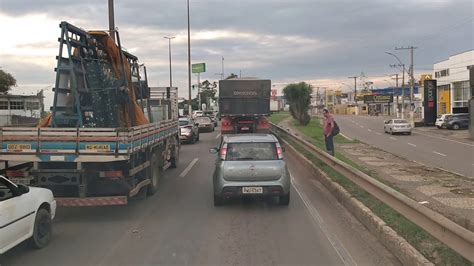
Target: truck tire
(42, 230)
(174, 160)
(153, 174)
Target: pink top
(328, 125)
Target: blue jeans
(329, 144)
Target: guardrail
(453, 235)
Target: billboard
(430, 102)
(378, 98)
(198, 68)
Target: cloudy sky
(318, 41)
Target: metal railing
(458, 238)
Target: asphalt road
(432, 150)
(180, 226)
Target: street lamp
(169, 49)
(190, 108)
(403, 89)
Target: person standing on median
(328, 127)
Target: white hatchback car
(25, 212)
(441, 119)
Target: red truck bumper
(93, 201)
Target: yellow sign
(97, 147)
(425, 77)
(19, 147)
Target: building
(20, 109)
(452, 77)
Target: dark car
(457, 121)
(188, 130)
(205, 124)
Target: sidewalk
(447, 193)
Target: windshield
(251, 151)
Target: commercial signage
(378, 98)
(430, 97)
(274, 94)
(198, 68)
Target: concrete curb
(396, 244)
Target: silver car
(249, 165)
(393, 126)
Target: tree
(298, 96)
(232, 76)
(208, 90)
(6, 82)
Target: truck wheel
(42, 230)
(174, 160)
(153, 174)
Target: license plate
(19, 147)
(97, 147)
(245, 128)
(252, 190)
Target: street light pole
(111, 20)
(190, 108)
(169, 49)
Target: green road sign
(199, 68)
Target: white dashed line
(191, 164)
(370, 130)
(361, 126)
(411, 144)
(380, 134)
(439, 153)
(218, 136)
(393, 138)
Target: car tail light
(111, 174)
(13, 173)
(223, 152)
(279, 151)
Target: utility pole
(111, 20)
(355, 93)
(395, 107)
(190, 108)
(169, 49)
(223, 75)
(412, 81)
(403, 88)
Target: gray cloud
(281, 40)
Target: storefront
(461, 96)
(379, 104)
(444, 99)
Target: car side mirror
(213, 150)
(23, 189)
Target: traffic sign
(199, 68)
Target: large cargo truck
(108, 137)
(244, 105)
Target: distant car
(441, 119)
(188, 130)
(196, 114)
(212, 116)
(393, 126)
(25, 213)
(205, 123)
(249, 165)
(457, 121)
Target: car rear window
(400, 121)
(203, 119)
(251, 151)
(183, 122)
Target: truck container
(244, 105)
(109, 136)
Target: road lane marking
(345, 136)
(411, 144)
(191, 164)
(370, 130)
(218, 135)
(393, 138)
(344, 255)
(361, 126)
(380, 134)
(439, 153)
(467, 144)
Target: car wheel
(42, 231)
(284, 200)
(438, 127)
(455, 126)
(193, 139)
(408, 133)
(391, 132)
(154, 174)
(218, 200)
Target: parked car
(393, 126)
(212, 116)
(457, 121)
(25, 213)
(205, 123)
(441, 119)
(249, 165)
(188, 130)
